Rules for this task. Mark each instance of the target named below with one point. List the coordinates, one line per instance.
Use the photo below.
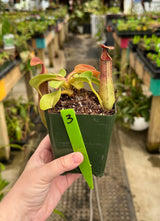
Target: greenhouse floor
(129, 189)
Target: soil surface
(83, 102)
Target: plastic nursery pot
(96, 131)
(139, 124)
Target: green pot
(96, 131)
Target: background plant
(95, 7)
(155, 58)
(6, 28)
(18, 119)
(5, 56)
(136, 39)
(132, 102)
(3, 182)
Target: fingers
(42, 155)
(68, 179)
(45, 144)
(71, 177)
(61, 165)
(43, 148)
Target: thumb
(61, 165)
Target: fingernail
(77, 157)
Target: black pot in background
(6, 67)
(86, 28)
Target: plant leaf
(56, 211)
(86, 74)
(23, 112)
(18, 132)
(39, 79)
(48, 101)
(85, 67)
(17, 146)
(87, 77)
(35, 61)
(2, 166)
(77, 84)
(1, 196)
(95, 80)
(69, 92)
(3, 184)
(55, 84)
(62, 72)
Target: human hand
(41, 185)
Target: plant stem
(94, 91)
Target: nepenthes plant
(51, 87)
(62, 83)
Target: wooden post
(63, 33)
(116, 55)
(4, 140)
(123, 64)
(40, 52)
(153, 142)
(7, 83)
(61, 36)
(29, 89)
(50, 51)
(66, 30)
(123, 44)
(56, 44)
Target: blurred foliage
(3, 182)
(19, 123)
(132, 102)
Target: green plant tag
(74, 133)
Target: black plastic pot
(6, 67)
(131, 34)
(40, 35)
(86, 28)
(153, 69)
(96, 131)
(132, 46)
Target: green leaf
(2, 166)
(39, 79)
(55, 84)
(77, 84)
(95, 80)
(49, 100)
(23, 112)
(87, 74)
(3, 184)
(62, 72)
(18, 132)
(17, 146)
(1, 196)
(56, 211)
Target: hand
(41, 185)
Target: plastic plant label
(75, 136)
